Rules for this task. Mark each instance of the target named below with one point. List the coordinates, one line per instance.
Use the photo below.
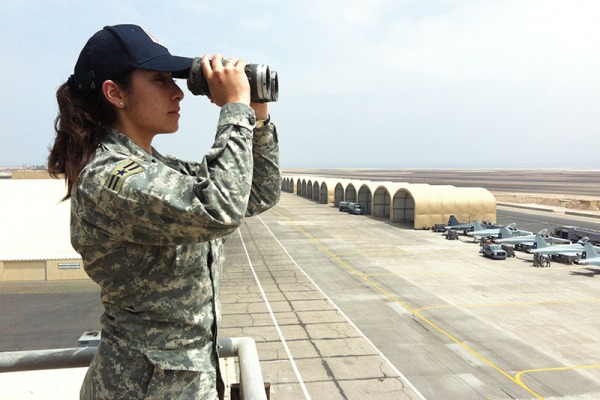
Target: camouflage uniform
(150, 230)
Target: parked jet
(481, 232)
(540, 246)
(589, 256)
(526, 241)
(455, 225)
(543, 252)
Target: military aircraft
(543, 252)
(526, 241)
(455, 225)
(540, 246)
(589, 256)
(494, 233)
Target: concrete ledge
(586, 214)
(526, 207)
(582, 214)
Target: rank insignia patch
(118, 175)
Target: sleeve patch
(118, 175)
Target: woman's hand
(227, 83)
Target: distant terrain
(7, 171)
(577, 189)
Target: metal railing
(252, 386)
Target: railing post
(252, 384)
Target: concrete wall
(30, 174)
(42, 270)
(23, 271)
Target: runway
(536, 221)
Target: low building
(35, 239)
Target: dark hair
(80, 126)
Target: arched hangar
(421, 205)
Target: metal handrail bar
(30, 360)
(252, 385)
(244, 348)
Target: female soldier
(150, 228)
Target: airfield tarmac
(454, 324)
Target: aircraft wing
(559, 251)
(460, 227)
(555, 240)
(529, 240)
(525, 240)
(485, 233)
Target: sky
(362, 84)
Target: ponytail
(81, 124)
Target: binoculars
(264, 85)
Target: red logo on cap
(153, 38)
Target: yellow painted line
(517, 379)
(516, 303)
(317, 243)
(417, 312)
(529, 371)
(478, 355)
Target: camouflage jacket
(150, 230)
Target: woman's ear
(113, 93)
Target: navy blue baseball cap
(117, 49)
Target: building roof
(35, 223)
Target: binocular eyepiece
(264, 84)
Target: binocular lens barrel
(264, 84)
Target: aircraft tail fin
(539, 242)
(589, 251)
(452, 220)
(504, 233)
(477, 226)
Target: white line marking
(279, 332)
(392, 366)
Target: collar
(121, 143)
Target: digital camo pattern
(142, 378)
(153, 241)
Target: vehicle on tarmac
(343, 206)
(451, 235)
(493, 251)
(438, 228)
(355, 208)
(575, 233)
